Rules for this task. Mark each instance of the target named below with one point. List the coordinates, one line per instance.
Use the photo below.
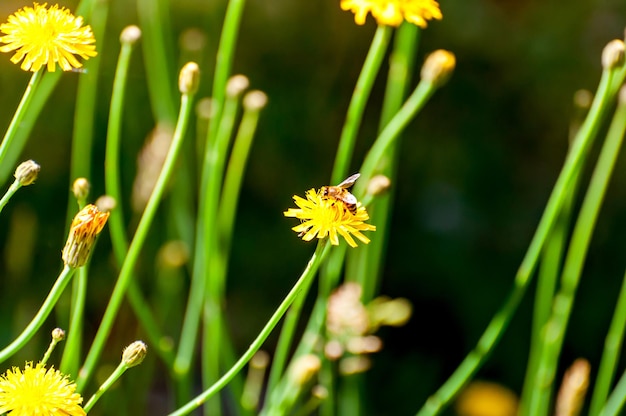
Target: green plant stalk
(42, 314)
(223, 65)
(158, 53)
(224, 62)
(444, 395)
(349, 400)
(40, 96)
(617, 399)
(136, 245)
(554, 331)
(308, 274)
(9, 193)
(361, 93)
(80, 166)
(610, 355)
(112, 178)
(8, 141)
(549, 270)
(214, 250)
(71, 351)
(115, 375)
(615, 336)
(364, 264)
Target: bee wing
(348, 198)
(347, 183)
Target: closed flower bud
(130, 34)
(58, 334)
(438, 67)
(304, 368)
(613, 54)
(189, 78)
(80, 189)
(134, 354)
(255, 100)
(378, 185)
(86, 226)
(27, 172)
(236, 85)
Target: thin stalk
(444, 395)
(16, 122)
(42, 314)
(136, 245)
(9, 193)
(617, 399)
(117, 373)
(361, 93)
(364, 264)
(223, 65)
(554, 331)
(308, 274)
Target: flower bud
(106, 203)
(134, 353)
(254, 100)
(58, 334)
(189, 78)
(304, 368)
(86, 226)
(613, 54)
(130, 34)
(236, 85)
(438, 67)
(81, 188)
(27, 172)
(378, 185)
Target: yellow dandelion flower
(85, 227)
(47, 36)
(38, 391)
(394, 12)
(326, 216)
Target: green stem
(554, 331)
(9, 193)
(117, 373)
(223, 65)
(22, 109)
(499, 322)
(71, 350)
(617, 399)
(359, 99)
(134, 250)
(308, 274)
(42, 314)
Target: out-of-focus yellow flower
(47, 36)
(483, 398)
(326, 216)
(85, 227)
(394, 12)
(38, 391)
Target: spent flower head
(38, 391)
(323, 215)
(394, 12)
(85, 227)
(46, 36)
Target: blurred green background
(476, 169)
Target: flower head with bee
(331, 212)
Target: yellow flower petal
(394, 12)
(324, 216)
(38, 391)
(47, 36)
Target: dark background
(476, 169)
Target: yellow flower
(38, 391)
(85, 227)
(394, 12)
(326, 216)
(44, 36)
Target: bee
(341, 193)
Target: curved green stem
(22, 109)
(498, 323)
(308, 274)
(359, 99)
(9, 193)
(141, 234)
(42, 314)
(115, 375)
